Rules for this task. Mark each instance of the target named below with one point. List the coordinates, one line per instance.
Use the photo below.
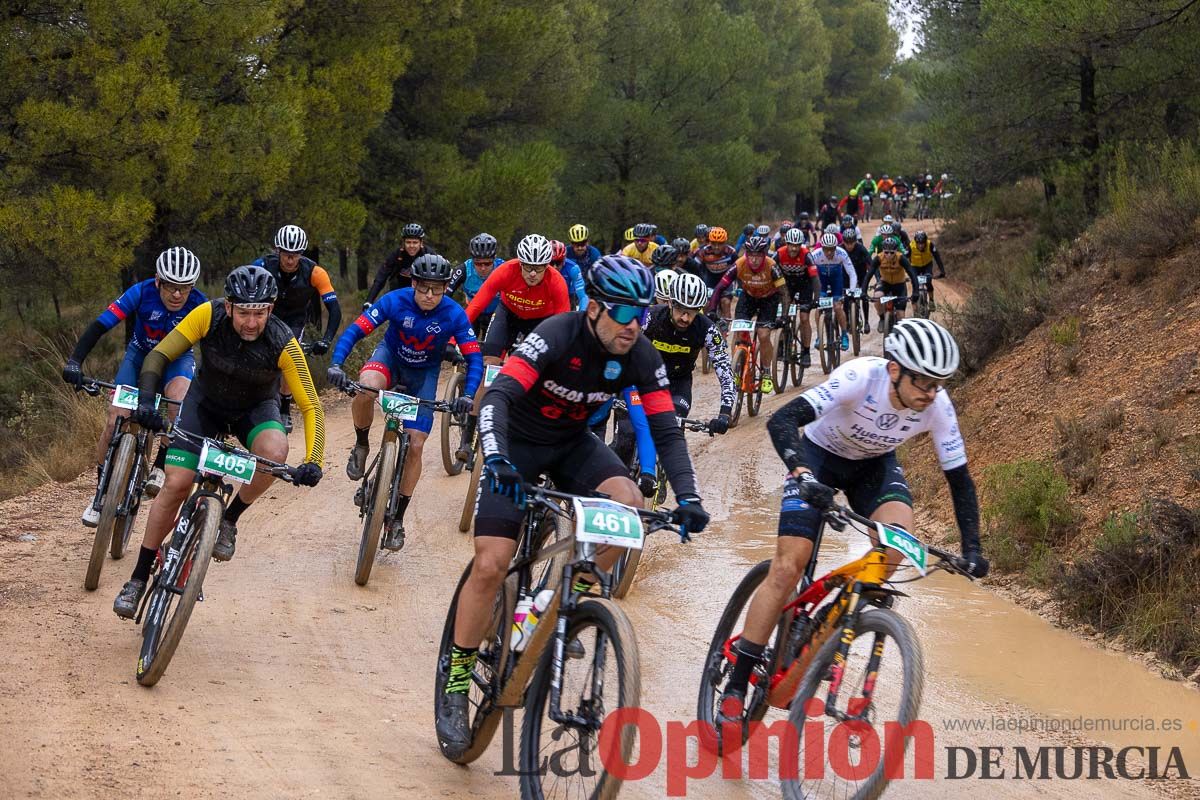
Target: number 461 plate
(601, 521)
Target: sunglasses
(175, 288)
(432, 289)
(623, 314)
(534, 269)
(927, 387)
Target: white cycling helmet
(888, 219)
(177, 265)
(922, 346)
(662, 285)
(794, 236)
(886, 229)
(535, 249)
(291, 239)
(689, 291)
(829, 240)
(832, 228)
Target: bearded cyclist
(244, 351)
(795, 262)
(534, 421)
(830, 438)
(582, 253)
(157, 306)
(763, 291)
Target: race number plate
(215, 461)
(792, 310)
(601, 521)
(910, 546)
(398, 405)
(127, 396)
(854, 292)
(490, 372)
(740, 325)
(825, 302)
(922, 280)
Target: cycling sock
(749, 655)
(582, 586)
(236, 507)
(401, 506)
(160, 458)
(462, 664)
(145, 563)
(361, 434)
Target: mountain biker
(860, 257)
(828, 214)
(534, 420)
(397, 265)
(900, 191)
(747, 232)
(684, 260)
(701, 237)
(865, 187)
(473, 272)
(803, 286)
(157, 304)
(922, 255)
(582, 253)
(890, 269)
(244, 352)
(850, 206)
(888, 229)
(664, 260)
(780, 237)
(843, 434)
(301, 283)
(570, 272)
(642, 248)
(716, 257)
(763, 290)
(848, 223)
(834, 268)
(421, 320)
(805, 224)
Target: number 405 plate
(601, 521)
(214, 461)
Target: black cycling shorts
(765, 309)
(799, 287)
(201, 417)
(868, 484)
(576, 466)
(505, 329)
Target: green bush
(1030, 500)
(1151, 183)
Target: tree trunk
(344, 262)
(1091, 133)
(360, 256)
(57, 309)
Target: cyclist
(678, 329)
(866, 191)
(884, 189)
(922, 256)
(301, 282)
(662, 285)
(890, 268)
(534, 421)
(802, 286)
(582, 253)
(851, 207)
(852, 424)
(716, 258)
(626, 241)
(701, 238)
(763, 291)
(664, 259)
(421, 320)
(570, 272)
(806, 225)
(397, 266)
(901, 193)
(779, 239)
(828, 214)
(888, 230)
(473, 272)
(244, 352)
(860, 257)
(834, 267)
(643, 246)
(747, 232)
(684, 260)
(157, 304)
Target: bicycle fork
(857, 708)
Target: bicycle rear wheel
(468, 512)
(377, 491)
(923, 303)
(610, 661)
(164, 626)
(895, 697)
(111, 525)
(754, 398)
(454, 390)
(784, 355)
(826, 342)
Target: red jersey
(527, 302)
(795, 265)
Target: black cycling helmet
(748, 229)
(681, 245)
(431, 267)
(920, 236)
(804, 215)
(483, 246)
(847, 221)
(620, 279)
(413, 230)
(757, 244)
(849, 235)
(643, 230)
(890, 245)
(786, 226)
(701, 231)
(251, 285)
(664, 256)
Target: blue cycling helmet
(620, 279)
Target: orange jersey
(762, 282)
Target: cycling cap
(643, 230)
(922, 346)
(757, 244)
(558, 251)
(689, 290)
(794, 236)
(662, 284)
(578, 233)
(251, 286)
(177, 265)
(664, 256)
(291, 239)
(431, 267)
(717, 235)
(483, 246)
(620, 279)
(412, 230)
(535, 249)
(829, 240)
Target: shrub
(1082, 443)
(1029, 501)
(1150, 183)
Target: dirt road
(293, 682)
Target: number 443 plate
(127, 396)
(601, 521)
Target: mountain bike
(747, 373)
(887, 304)
(178, 580)
(836, 632)
(122, 477)
(603, 675)
(378, 495)
(922, 210)
(921, 301)
(456, 434)
(790, 349)
(853, 319)
(885, 202)
(831, 336)
(723, 326)
(490, 371)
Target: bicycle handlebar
(658, 520)
(695, 425)
(353, 387)
(93, 386)
(261, 464)
(838, 515)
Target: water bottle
(525, 617)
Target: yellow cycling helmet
(629, 234)
(578, 234)
(854, 192)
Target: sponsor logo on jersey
(408, 322)
(576, 363)
(532, 347)
(612, 370)
(885, 422)
(667, 347)
(416, 343)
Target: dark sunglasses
(622, 314)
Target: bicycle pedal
(200, 598)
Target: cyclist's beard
(900, 397)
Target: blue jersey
(590, 256)
(416, 339)
(574, 278)
(471, 282)
(152, 319)
(647, 454)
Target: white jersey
(840, 257)
(856, 419)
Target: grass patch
(1027, 511)
(1065, 335)
(1149, 183)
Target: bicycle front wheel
(827, 343)
(378, 490)
(454, 390)
(784, 355)
(739, 385)
(174, 595)
(111, 524)
(855, 323)
(562, 760)
(468, 511)
(875, 690)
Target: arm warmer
(335, 318)
(88, 340)
(647, 456)
(966, 506)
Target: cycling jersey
(680, 349)
(891, 268)
(574, 278)
(877, 242)
(590, 256)
(716, 260)
(832, 270)
(923, 258)
(152, 319)
(547, 298)
(643, 256)
(757, 283)
(794, 264)
(469, 280)
(861, 260)
(298, 289)
(398, 268)
(236, 375)
(884, 186)
(865, 188)
(416, 339)
(557, 378)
